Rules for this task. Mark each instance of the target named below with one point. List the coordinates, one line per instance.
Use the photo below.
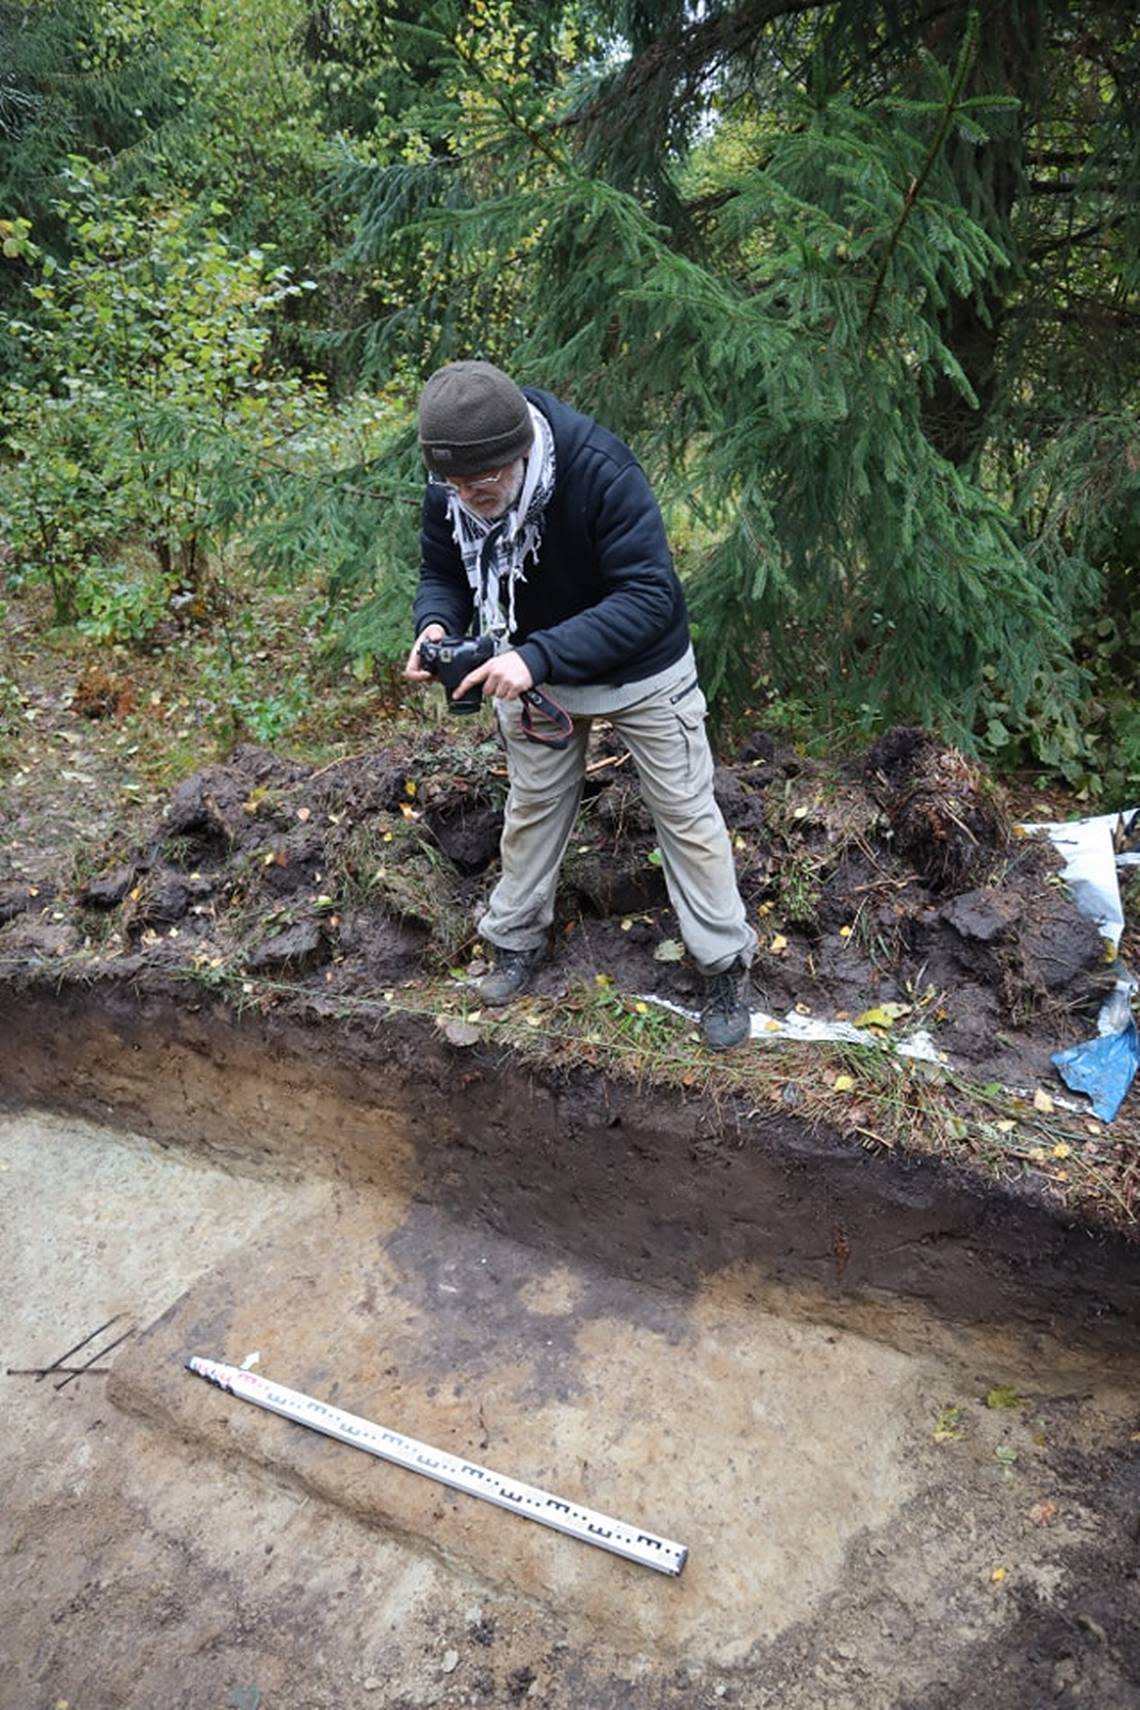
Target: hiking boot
(510, 975)
(726, 1015)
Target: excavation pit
(888, 1408)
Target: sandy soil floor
(864, 1529)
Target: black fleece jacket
(603, 604)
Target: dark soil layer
(897, 879)
(644, 1185)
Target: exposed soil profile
(893, 890)
(505, 1249)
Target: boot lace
(722, 993)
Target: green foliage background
(859, 284)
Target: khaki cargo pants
(666, 736)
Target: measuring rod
(525, 1499)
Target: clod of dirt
(163, 900)
(1061, 947)
(1032, 946)
(210, 813)
(740, 796)
(296, 861)
(109, 890)
(468, 834)
(984, 915)
(296, 949)
(41, 937)
(606, 882)
(947, 820)
(20, 898)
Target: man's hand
(506, 676)
(413, 670)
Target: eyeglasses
(461, 484)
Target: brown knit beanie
(472, 417)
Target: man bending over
(540, 530)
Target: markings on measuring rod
(526, 1499)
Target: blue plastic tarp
(1103, 1068)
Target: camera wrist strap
(561, 725)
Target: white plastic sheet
(1091, 862)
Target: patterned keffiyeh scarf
(495, 551)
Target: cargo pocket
(690, 713)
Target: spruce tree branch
(1067, 239)
(532, 135)
(703, 44)
(1050, 187)
(1058, 157)
(914, 190)
(1079, 311)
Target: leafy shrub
(148, 394)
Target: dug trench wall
(643, 1183)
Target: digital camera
(451, 659)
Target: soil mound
(896, 879)
(947, 818)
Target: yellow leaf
(410, 787)
(1062, 1149)
(998, 1575)
(641, 1008)
(843, 1083)
(387, 837)
(1043, 1102)
(877, 1017)
(771, 1027)
(1005, 1126)
(778, 945)
(408, 812)
(846, 931)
